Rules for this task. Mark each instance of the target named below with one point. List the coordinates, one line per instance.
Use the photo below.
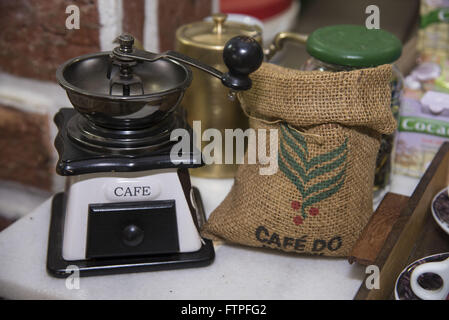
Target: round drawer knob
(132, 235)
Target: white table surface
(237, 272)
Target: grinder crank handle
(242, 55)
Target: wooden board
(376, 232)
(414, 233)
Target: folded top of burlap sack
(305, 98)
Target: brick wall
(34, 42)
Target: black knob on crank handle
(242, 55)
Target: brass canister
(207, 99)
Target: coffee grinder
(127, 207)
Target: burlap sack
(320, 198)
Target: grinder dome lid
(87, 75)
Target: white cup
(440, 268)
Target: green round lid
(354, 46)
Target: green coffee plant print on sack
(316, 178)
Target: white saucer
(402, 288)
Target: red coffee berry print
(314, 211)
(296, 205)
(298, 220)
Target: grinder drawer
(131, 228)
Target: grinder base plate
(57, 266)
